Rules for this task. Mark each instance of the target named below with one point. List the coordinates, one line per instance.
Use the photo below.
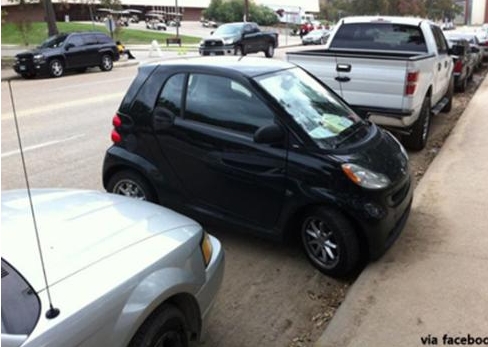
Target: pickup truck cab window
(223, 102)
(380, 36)
(321, 115)
(440, 41)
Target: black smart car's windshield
(54, 41)
(326, 119)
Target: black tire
(28, 75)
(461, 87)
(420, 131)
(239, 50)
(132, 184)
(166, 327)
(449, 95)
(330, 242)
(56, 68)
(106, 63)
(269, 52)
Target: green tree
(233, 11)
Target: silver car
(316, 37)
(120, 272)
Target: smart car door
(211, 148)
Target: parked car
(482, 35)
(396, 69)
(316, 37)
(75, 51)
(239, 39)
(261, 146)
(476, 49)
(464, 63)
(155, 24)
(120, 272)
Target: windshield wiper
(348, 133)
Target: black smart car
(73, 51)
(261, 145)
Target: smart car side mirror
(269, 134)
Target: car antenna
(52, 312)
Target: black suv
(261, 146)
(74, 51)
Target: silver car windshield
(325, 118)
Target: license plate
(22, 68)
(212, 53)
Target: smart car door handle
(342, 79)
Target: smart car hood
(80, 228)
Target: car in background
(316, 37)
(74, 51)
(476, 49)
(464, 63)
(117, 271)
(482, 35)
(260, 145)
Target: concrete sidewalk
(431, 288)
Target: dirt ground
(272, 296)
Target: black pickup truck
(239, 39)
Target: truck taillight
(411, 85)
(458, 67)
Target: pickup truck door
(251, 38)
(443, 66)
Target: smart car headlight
(364, 177)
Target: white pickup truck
(396, 70)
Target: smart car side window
(20, 304)
(170, 96)
(225, 103)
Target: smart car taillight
(116, 122)
(116, 138)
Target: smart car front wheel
(330, 241)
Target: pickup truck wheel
(239, 50)
(56, 68)
(269, 51)
(462, 85)
(420, 130)
(106, 63)
(330, 242)
(449, 95)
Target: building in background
(476, 12)
(77, 10)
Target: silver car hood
(80, 228)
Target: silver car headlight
(228, 41)
(364, 177)
(207, 249)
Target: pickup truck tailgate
(360, 80)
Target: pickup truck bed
(397, 70)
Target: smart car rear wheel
(106, 63)
(330, 241)
(132, 184)
(164, 328)
(56, 68)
